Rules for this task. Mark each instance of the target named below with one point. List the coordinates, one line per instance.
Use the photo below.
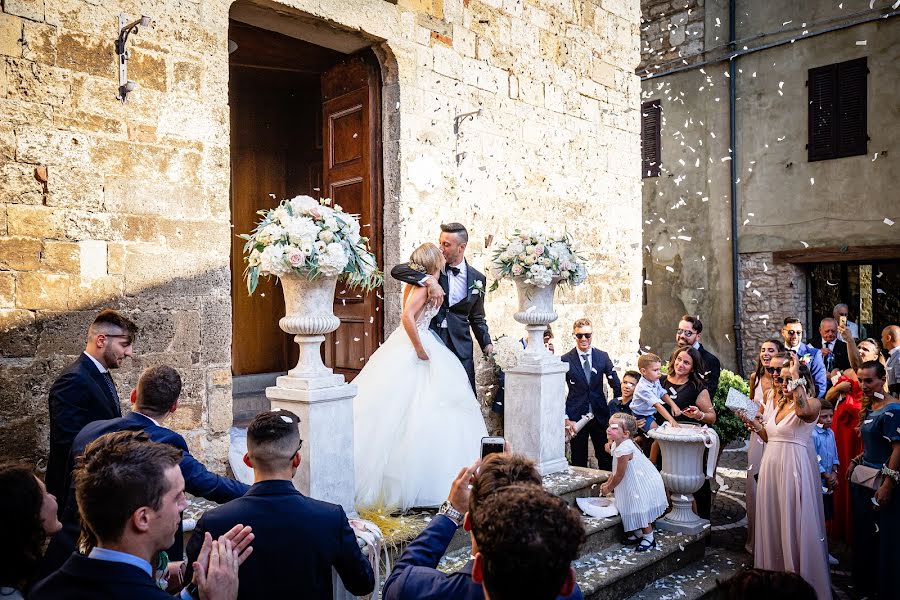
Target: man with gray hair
(842, 310)
(85, 391)
(833, 350)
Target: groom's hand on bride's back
(435, 293)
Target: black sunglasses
(772, 370)
(581, 336)
(779, 379)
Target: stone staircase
(606, 569)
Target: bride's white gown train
(416, 423)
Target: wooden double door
(305, 133)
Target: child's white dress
(641, 495)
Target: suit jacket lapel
(100, 380)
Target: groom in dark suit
(459, 291)
(85, 392)
(588, 367)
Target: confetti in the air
(888, 221)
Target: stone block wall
(671, 30)
(769, 293)
(127, 205)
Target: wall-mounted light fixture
(126, 28)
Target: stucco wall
(784, 202)
(105, 204)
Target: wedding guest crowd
(834, 461)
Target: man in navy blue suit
(415, 573)
(792, 332)
(298, 540)
(588, 367)
(154, 399)
(131, 493)
(85, 392)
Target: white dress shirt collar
(146, 417)
(696, 345)
(96, 362)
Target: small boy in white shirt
(649, 395)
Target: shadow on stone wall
(185, 323)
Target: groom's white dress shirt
(457, 283)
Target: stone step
(698, 580)
(600, 534)
(619, 571)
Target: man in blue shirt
(130, 492)
(415, 573)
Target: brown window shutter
(651, 124)
(822, 84)
(851, 134)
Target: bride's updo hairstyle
(427, 258)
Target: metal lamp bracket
(122, 54)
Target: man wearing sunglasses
(85, 392)
(588, 367)
(689, 330)
(792, 332)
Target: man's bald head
(890, 337)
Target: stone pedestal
(535, 411)
(326, 427)
(682, 472)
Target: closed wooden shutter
(651, 153)
(837, 110)
(851, 108)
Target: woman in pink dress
(846, 429)
(760, 388)
(790, 523)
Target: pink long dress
(755, 448)
(790, 521)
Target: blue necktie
(111, 387)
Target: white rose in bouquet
(271, 233)
(507, 352)
(301, 230)
(253, 259)
(331, 223)
(580, 274)
(295, 256)
(281, 215)
(333, 260)
(326, 236)
(271, 261)
(301, 204)
(529, 259)
(516, 247)
(539, 276)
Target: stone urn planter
(683, 473)
(536, 312)
(309, 315)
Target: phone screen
(491, 446)
(843, 321)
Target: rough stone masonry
(127, 205)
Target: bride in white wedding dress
(416, 421)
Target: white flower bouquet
(309, 238)
(507, 352)
(536, 258)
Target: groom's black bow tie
(453, 270)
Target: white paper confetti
(888, 222)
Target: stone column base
(535, 412)
(326, 427)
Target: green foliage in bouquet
(728, 425)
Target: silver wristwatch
(451, 513)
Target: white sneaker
(832, 561)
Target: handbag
(866, 476)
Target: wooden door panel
(351, 174)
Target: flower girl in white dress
(640, 492)
(416, 421)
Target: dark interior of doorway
(276, 152)
(868, 288)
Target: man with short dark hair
(792, 332)
(155, 398)
(298, 539)
(459, 294)
(85, 391)
(588, 368)
(527, 540)
(130, 494)
(415, 574)
(689, 331)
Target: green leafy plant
(728, 425)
